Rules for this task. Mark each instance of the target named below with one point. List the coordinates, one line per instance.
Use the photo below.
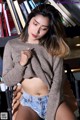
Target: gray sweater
(42, 64)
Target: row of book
(7, 26)
(20, 11)
(13, 16)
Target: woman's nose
(37, 30)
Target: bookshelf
(19, 25)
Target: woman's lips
(35, 36)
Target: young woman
(35, 59)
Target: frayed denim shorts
(38, 104)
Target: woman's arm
(12, 72)
(55, 92)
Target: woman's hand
(16, 98)
(25, 56)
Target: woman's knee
(64, 113)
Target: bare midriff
(35, 86)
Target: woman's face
(38, 27)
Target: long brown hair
(53, 40)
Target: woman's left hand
(16, 97)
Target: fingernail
(28, 48)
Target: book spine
(24, 11)
(6, 19)
(14, 15)
(31, 3)
(1, 25)
(13, 29)
(27, 6)
(1, 28)
(19, 12)
(53, 3)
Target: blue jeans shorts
(38, 104)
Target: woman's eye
(44, 29)
(35, 23)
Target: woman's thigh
(64, 113)
(26, 113)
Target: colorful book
(12, 31)
(14, 16)
(5, 22)
(32, 4)
(6, 18)
(27, 6)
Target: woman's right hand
(25, 56)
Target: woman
(35, 59)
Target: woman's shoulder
(14, 41)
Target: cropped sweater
(42, 65)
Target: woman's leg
(26, 113)
(64, 113)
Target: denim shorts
(38, 104)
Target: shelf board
(4, 40)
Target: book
(14, 16)
(32, 4)
(67, 12)
(12, 31)
(1, 24)
(27, 6)
(24, 11)
(19, 12)
(53, 3)
(5, 22)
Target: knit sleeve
(12, 73)
(55, 91)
